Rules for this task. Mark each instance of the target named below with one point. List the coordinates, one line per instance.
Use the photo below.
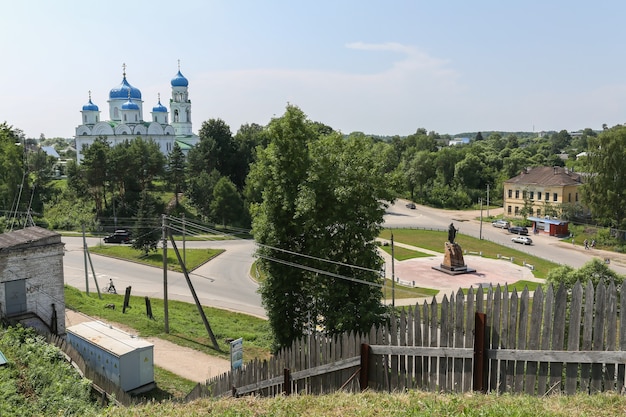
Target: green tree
(321, 199)
(147, 231)
(11, 165)
(200, 191)
(595, 271)
(176, 166)
(605, 189)
(227, 205)
(96, 169)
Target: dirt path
(182, 361)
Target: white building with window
(126, 118)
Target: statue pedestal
(453, 262)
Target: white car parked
(524, 240)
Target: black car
(518, 230)
(119, 236)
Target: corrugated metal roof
(546, 176)
(108, 337)
(548, 221)
(29, 236)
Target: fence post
(480, 324)
(365, 361)
(286, 382)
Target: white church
(126, 120)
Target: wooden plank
(425, 342)
(459, 341)
(621, 368)
(573, 337)
(504, 339)
(598, 337)
(442, 381)
(468, 364)
(394, 370)
(585, 370)
(432, 376)
(495, 338)
(558, 336)
(609, 382)
(402, 359)
(512, 339)
(546, 333)
(417, 341)
(489, 311)
(410, 341)
(521, 340)
(559, 356)
(439, 351)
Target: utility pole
(166, 317)
(85, 256)
(480, 235)
(487, 200)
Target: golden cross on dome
(179, 65)
(159, 96)
(124, 68)
(89, 95)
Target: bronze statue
(451, 233)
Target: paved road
(224, 282)
(546, 247)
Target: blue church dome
(159, 108)
(129, 105)
(179, 80)
(123, 89)
(90, 106)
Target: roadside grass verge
(186, 326)
(193, 257)
(434, 240)
(402, 254)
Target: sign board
(236, 353)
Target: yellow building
(542, 190)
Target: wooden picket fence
(488, 340)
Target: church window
(115, 113)
(97, 119)
(136, 117)
(176, 115)
(124, 117)
(85, 119)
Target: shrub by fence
(489, 340)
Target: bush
(595, 271)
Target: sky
(378, 67)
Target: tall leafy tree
(605, 189)
(321, 198)
(11, 165)
(280, 170)
(176, 166)
(226, 205)
(96, 168)
(146, 233)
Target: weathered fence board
(558, 342)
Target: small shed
(31, 279)
(553, 227)
(124, 359)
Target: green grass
(410, 403)
(169, 386)
(193, 257)
(186, 326)
(402, 254)
(435, 240)
(407, 292)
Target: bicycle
(110, 288)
